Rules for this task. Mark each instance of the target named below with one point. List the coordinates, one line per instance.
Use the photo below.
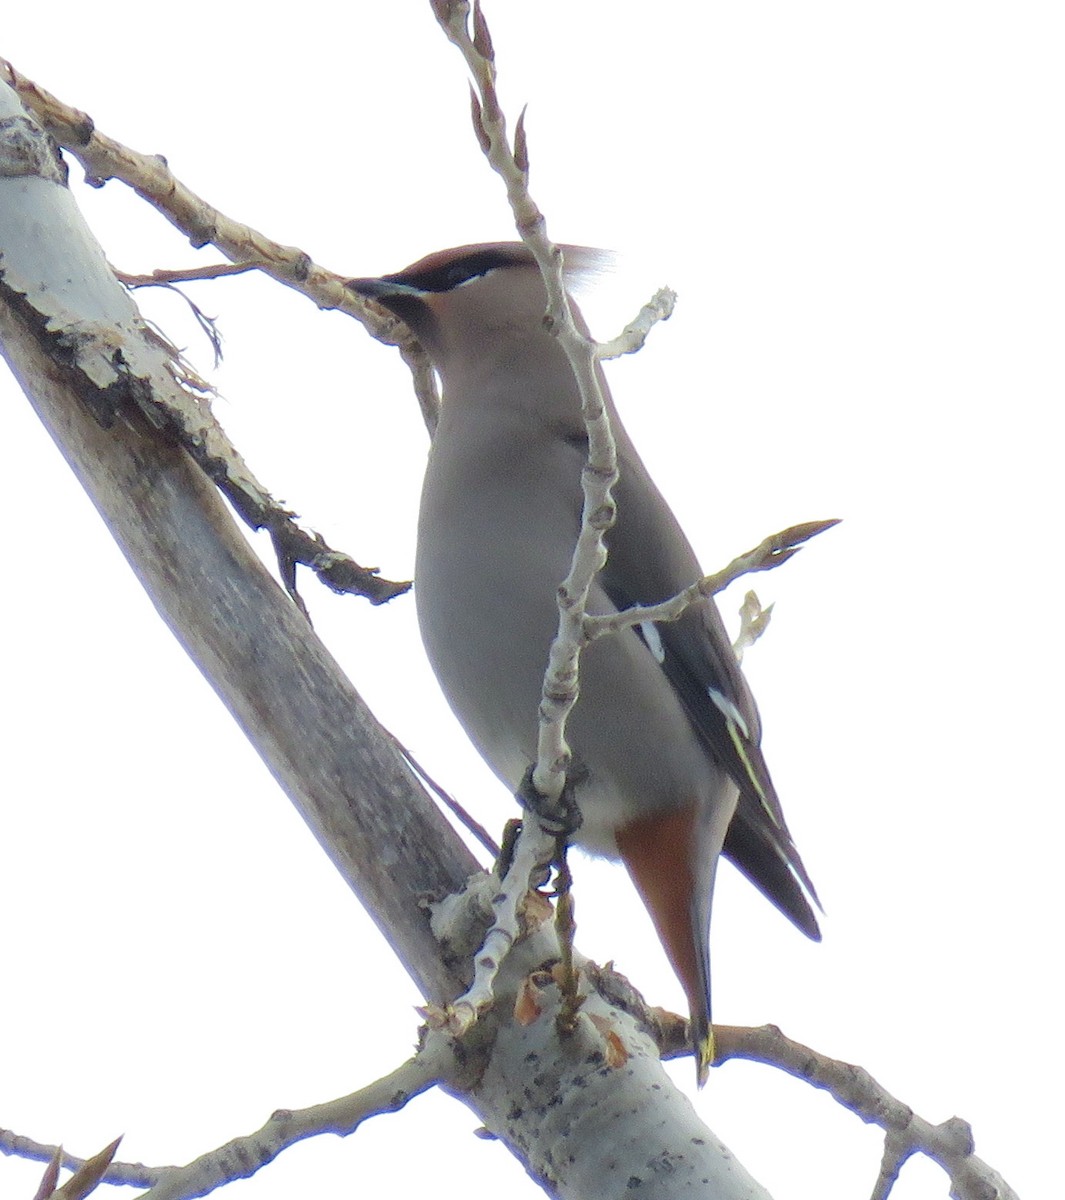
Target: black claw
(511, 831)
(561, 819)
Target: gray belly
(486, 607)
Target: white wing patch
(740, 736)
(729, 711)
(653, 640)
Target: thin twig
(566, 929)
(163, 276)
(769, 553)
(754, 621)
(243, 1156)
(632, 337)
(949, 1144)
(533, 850)
(472, 38)
(468, 30)
(465, 818)
(129, 1174)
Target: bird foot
(561, 818)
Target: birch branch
(754, 621)
(533, 850)
(242, 1157)
(78, 347)
(601, 471)
(282, 687)
(179, 405)
(467, 29)
(632, 337)
(148, 175)
(769, 553)
(948, 1144)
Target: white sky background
(860, 207)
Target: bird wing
(650, 560)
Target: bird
(665, 734)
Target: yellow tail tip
(704, 1055)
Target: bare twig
(949, 1144)
(473, 40)
(129, 1174)
(104, 158)
(632, 337)
(534, 850)
(754, 621)
(243, 1156)
(769, 553)
(447, 800)
(467, 29)
(535, 843)
(162, 276)
(566, 928)
(148, 175)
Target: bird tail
(702, 1038)
(769, 859)
(672, 859)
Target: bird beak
(383, 289)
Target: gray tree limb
(75, 343)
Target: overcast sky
(860, 207)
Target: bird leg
(566, 929)
(560, 818)
(507, 845)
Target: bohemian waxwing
(665, 733)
